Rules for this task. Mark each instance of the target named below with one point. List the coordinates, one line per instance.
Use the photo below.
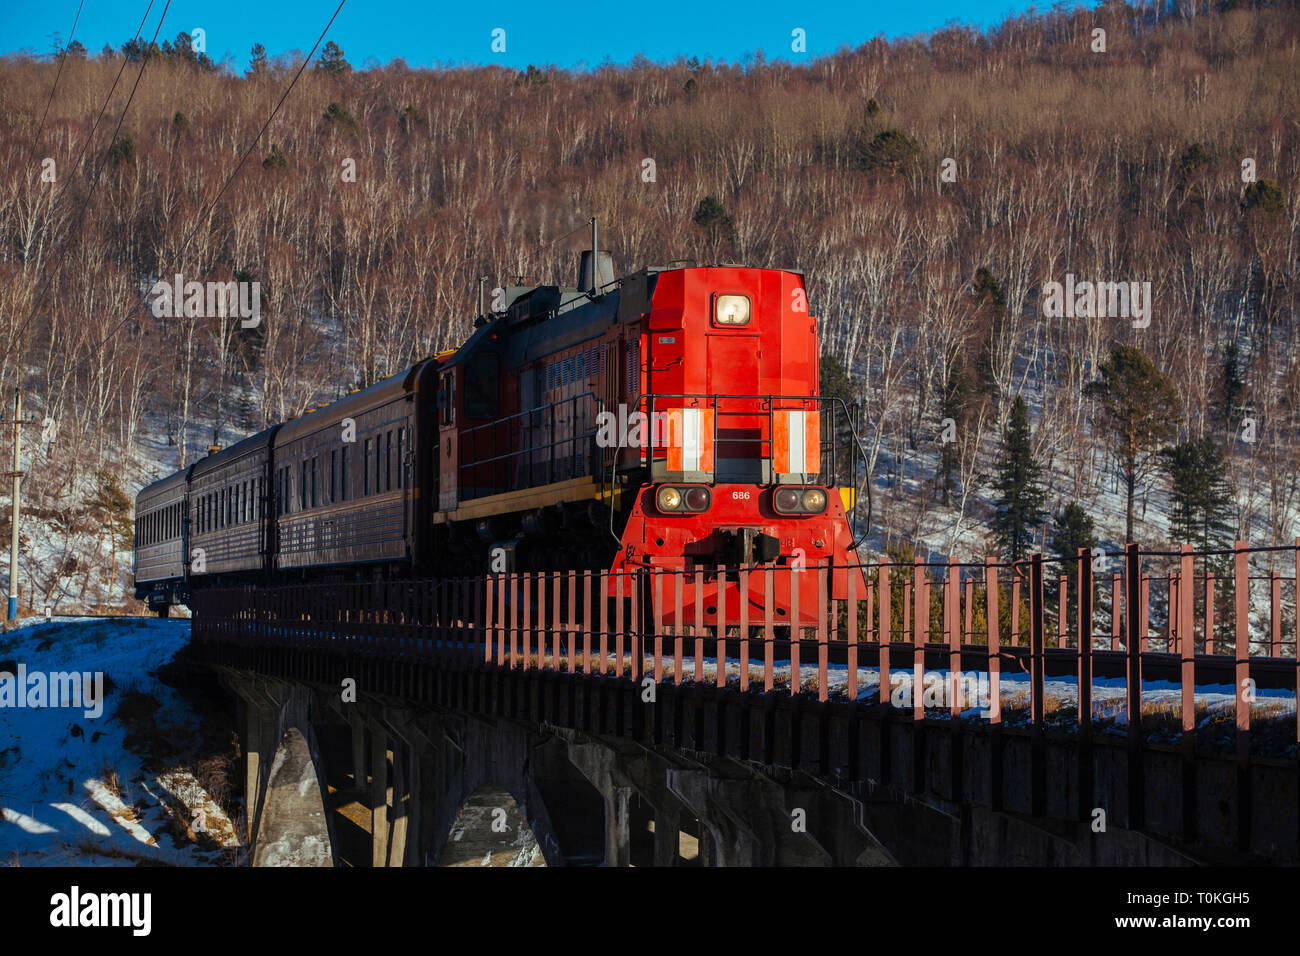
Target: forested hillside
(929, 189)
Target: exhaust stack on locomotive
(492, 457)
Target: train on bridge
(670, 418)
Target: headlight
(697, 499)
(814, 501)
(799, 501)
(731, 310)
(786, 500)
(694, 498)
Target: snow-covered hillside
(134, 775)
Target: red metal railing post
(602, 595)
(1241, 587)
(659, 624)
(993, 637)
(679, 628)
(851, 634)
(527, 611)
(1136, 617)
(637, 664)
(490, 621)
(573, 621)
(769, 634)
(1187, 649)
(509, 591)
(588, 619)
(720, 652)
(884, 636)
(543, 579)
(1084, 609)
(1037, 637)
(1084, 632)
(743, 586)
(1037, 698)
(952, 614)
(619, 625)
(920, 634)
(823, 631)
(796, 631)
(698, 675)
(1245, 691)
(557, 617)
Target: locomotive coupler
(744, 546)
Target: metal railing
(1046, 643)
(550, 443)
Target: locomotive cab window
(447, 398)
(730, 310)
(481, 386)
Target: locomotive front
(743, 462)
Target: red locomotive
(669, 419)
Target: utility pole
(17, 476)
(13, 523)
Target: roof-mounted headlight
(731, 309)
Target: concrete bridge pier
(287, 823)
(758, 820)
(398, 785)
(626, 776)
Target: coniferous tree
(1140, 408)
(1232, 385)
(1200, 494)
(1020, 494)
(836, 381)
(258, 64)
(1073, 529)
(712, 215)
(332, 61)
(110, 506)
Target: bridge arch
(491, 829)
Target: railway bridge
(1126, 708)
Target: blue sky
(571, 35)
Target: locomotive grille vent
(632, 381)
